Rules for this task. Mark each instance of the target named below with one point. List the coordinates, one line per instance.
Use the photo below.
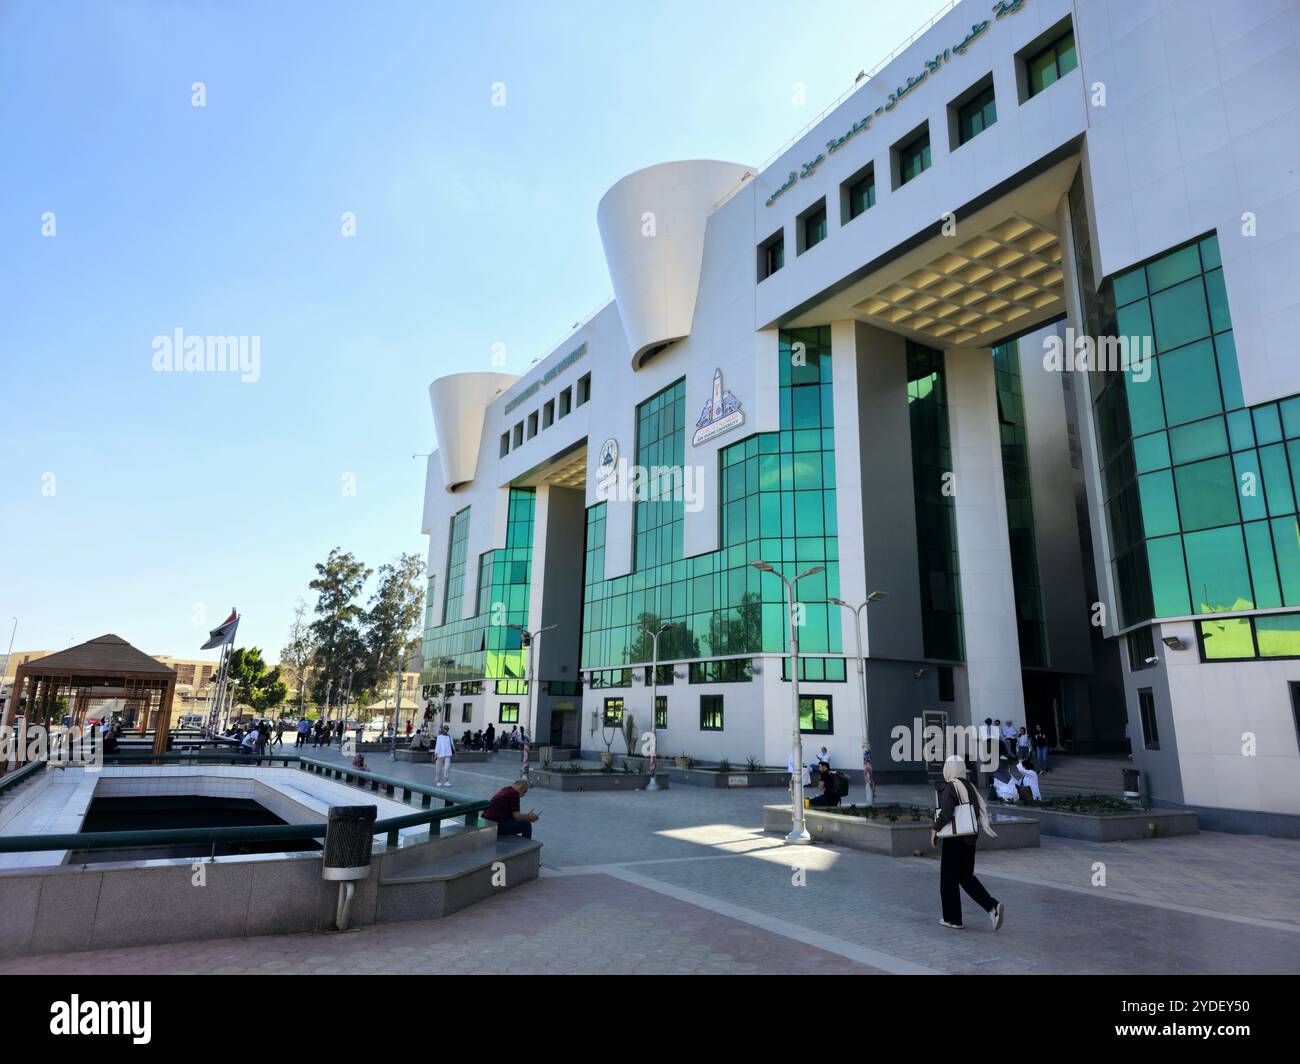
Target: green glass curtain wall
(776, 503)
(1201, 491)
(482, 646)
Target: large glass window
(976, 115)
(1052, 63)
(1030, 622)
(457, 542)
(613, 713)
(936, 521)
(777, 503)
(508, 713)
(710, 713)
(1147, 710)
(815, 715)
(1201, 492)
(479, 644)
(914, 158)
(862, 194)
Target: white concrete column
(983, 544)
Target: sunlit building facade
(893, 357)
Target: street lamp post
(798, 833)
(397, 712)
(528, 639)
(654, 635)
(5, 670)
(868, 777)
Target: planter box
(736, 778)
(422, 757)
(899, 839)
(1118, 827)
(470, 757)
(594, 781)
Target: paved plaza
(684, 880)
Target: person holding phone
(503, 810)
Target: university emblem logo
(607, 459)
(721, 413)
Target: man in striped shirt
(503, 810)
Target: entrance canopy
(70, 683)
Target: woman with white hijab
(962, 813)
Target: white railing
(859, 82)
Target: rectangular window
(1141, 650)
(664, 676)
(946, 691)
(532, 424)
(728, 670)
(518, 440)
(914, 157)
(661, 711)
(1048, 65)
(548, 414)
(771, 255)
(457, 548)
(815, 716)
(584, 388)
(976, 115)
(509, 713)
(1147, 706)
(467, 712)
(859, 194)
(710, 713)
(1295, 709)
(505, 444)
(566, 402)
(812, 226)
(613, 717)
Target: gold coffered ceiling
(1009, 273)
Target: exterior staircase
(1083, 775)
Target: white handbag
(965, 817)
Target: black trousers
(957, 870)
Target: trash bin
(349, 834)
(1132, 786)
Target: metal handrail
(455, 805)
(17, 776)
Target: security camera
(919, 673)
(1151, 661)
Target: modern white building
(892, 355)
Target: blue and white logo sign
(721, 413)
(607, 459)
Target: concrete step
(448, 884)
(1084, 775)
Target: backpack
(841, 784)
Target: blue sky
(148, 503)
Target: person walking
(962, 813)
(304, 730)
(443, 749)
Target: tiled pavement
(684, 880)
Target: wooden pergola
(104, 668)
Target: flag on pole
(867, 774)
(224, 633)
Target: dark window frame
(830, 714)
(1147, 718)
(710, 707)
(501, 712)
(816, 214)
(865, 176)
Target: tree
(253, 684)
(340, 649)
(300, 652)
(395, 615)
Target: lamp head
(762, 567)
(877, 596)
